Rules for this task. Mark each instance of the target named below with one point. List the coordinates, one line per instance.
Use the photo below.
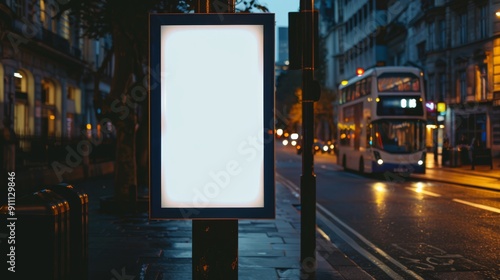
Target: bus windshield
(397, 136)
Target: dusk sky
(281, 8)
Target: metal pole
(308, 178)
(215, 242)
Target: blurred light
(419, 187)
(441, 107)
(279, 132)
(89, 126)
(287, 62)
(431, 126)
(332, 147)
(497, 14)
(285, 142)
(360, 71)
(286, 134)
(380, 162)
(294, 136)
(18, 75)
(325, 148)
(420, 162)
(377, 99)
(52, 117)
(298, 147)
(344, 82)
(316, 148)
(380, 187)
(294, 143)
(441, 126)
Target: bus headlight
(378, 158)
(421, 161)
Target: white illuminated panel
(212, 116)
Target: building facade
(47, 87)
(455, 43)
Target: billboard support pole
(310, 94)
(215, 242)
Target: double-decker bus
(381, 121)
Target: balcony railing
(55, 41)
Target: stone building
(455, 43)
(47, 85)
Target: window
(368, 85)
(71, 93)
(442, 34)
(18, 6)
(341, 65)
(442, 86)
(432, 34)
(398, 82)
(53, 13)
(462, 88)
(18, 83)
(48, 94)
(399, 136)
(431, 90)
(43, 15)
(462, 28)
(482, 22)
(65, 25)
(421, 50)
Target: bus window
(357, 90)
(368, 85)
(398, 82)
(362, 87)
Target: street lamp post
(307, 43)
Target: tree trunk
(123, 114)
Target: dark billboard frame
(156, 210)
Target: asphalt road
(403, 230)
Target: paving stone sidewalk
(132, 247)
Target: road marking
(331, 168)
(296, 191)
(484, 207)
(420, 190)
(358, 248)
(325, 236)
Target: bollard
(41, 230)
(78, 224)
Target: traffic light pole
(308, 178)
